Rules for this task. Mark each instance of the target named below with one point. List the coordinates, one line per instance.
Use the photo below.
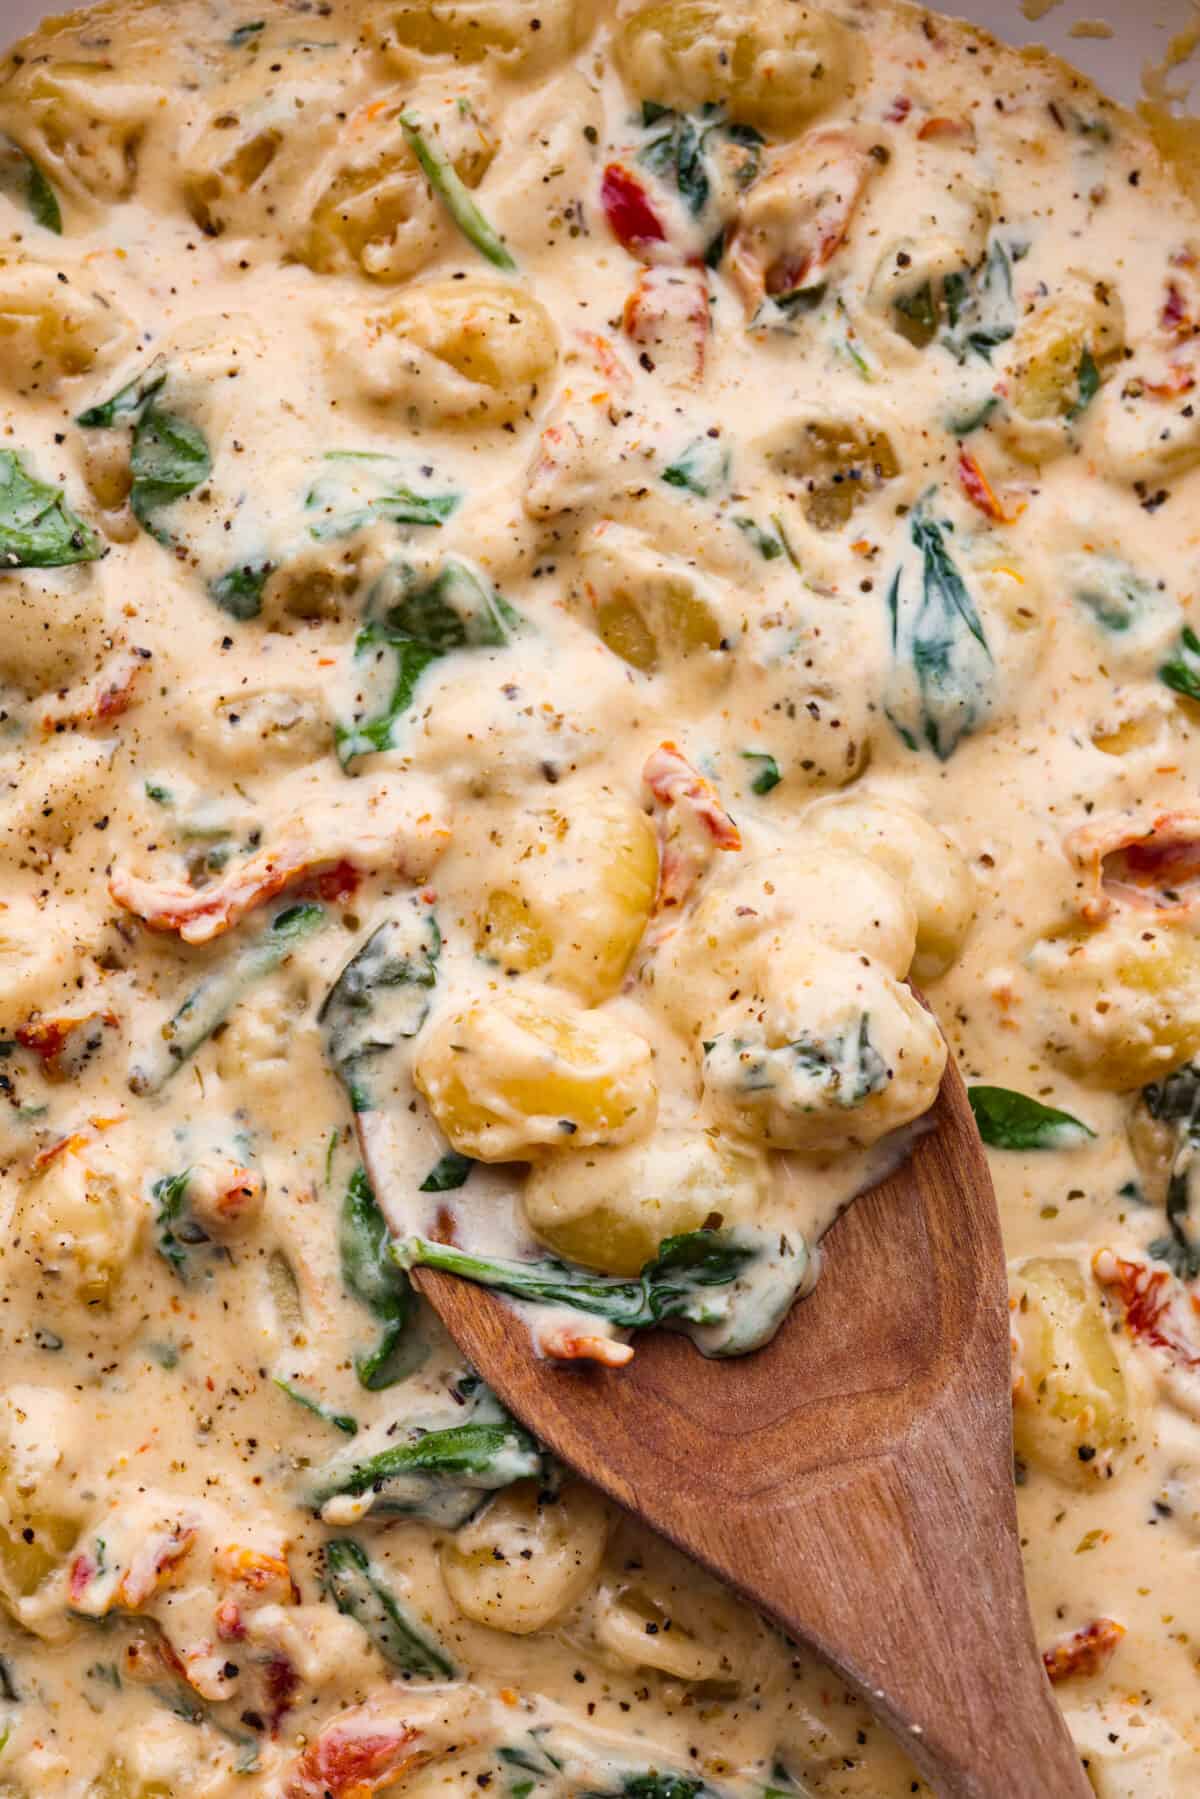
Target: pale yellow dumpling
(528, 1070)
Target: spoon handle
(906, 1576)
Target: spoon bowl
(853, 1479)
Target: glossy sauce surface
(554, 558)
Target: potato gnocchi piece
(929, 866)
(525, 1561)
(83, 121)
(581, 881)
(797, 218)
(519, 37)
(1123, 1002)
(53, 330)
(375, 212)
(257, 1055)
(773, 64)
(45, 803)
(42, 1509)
(653, 610)
(1071, 1407)
(449, 353)
(835, 1056)
(117, 1780)
(664, 1616)
(835, 464)
(230, 169)
(1130, 1751)
(547, 150)
(81, 1222)
(1144, 438)
(923, 278)
(611, 1208)
(526, 1070)
(247, 728)
(1063, 351)
(55, 627)
(741, 927)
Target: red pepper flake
(900, 108)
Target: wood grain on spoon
(854, 1479)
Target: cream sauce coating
(628, 531)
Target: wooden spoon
(853, 1479)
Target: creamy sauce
(627, 537)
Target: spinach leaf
(416, 619)
(1009, 1120)
(170, 457)
(682, 150)
(440, 1474)
(339, 1420)
(942, 666)
(184, 1702)
(918, 315)
(448, 1173)
(380, 999)
(844, 1067)
(209, 1004)
(979, 306)
(359, 1591)
(1182, 673)
(675, 1284)
(361, 488)
(443, 178)
(370, 1273)
(702, 468)
(1174, 1103)
(1117, 597)
(245, 34)
(24, 182)
(769, 547)
(531, 1758)
(129, 402)
(179, 1234)
(766, 774)
(965, 423)
(37, 527)
(1087, 380)
(239, 590)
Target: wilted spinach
(360, 1591)
(209, 1004)
(1009, 1120)
(380, 999)
(37, 527)
(1182, 672)
(371, 1274)
(942, 665)
(25, 182)
(441, 1474)
(413, 620)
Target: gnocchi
(528, 1558)
(1071, 1408)
(611, 1208)
(527, 1070)
(581, 881)
(775, 66)
(449, 354)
